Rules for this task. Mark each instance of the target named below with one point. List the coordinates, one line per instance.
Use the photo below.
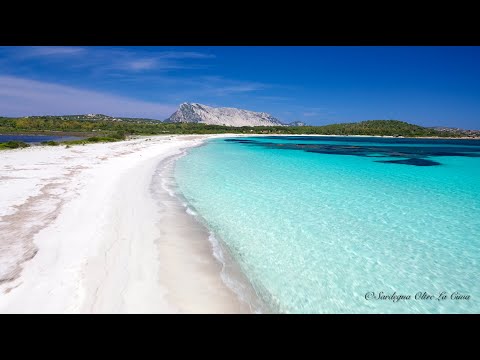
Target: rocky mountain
(197, 113)
(297, 123)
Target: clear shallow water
(317, 226)
(36, 138)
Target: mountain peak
(198, 113)
(297, 123)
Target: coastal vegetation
(112, 129)
(13, 145)
(375, 127)
(50, 143)
(117, 136)
(112, 137)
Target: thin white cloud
(240, 88)
(48, 51)
(131, 61)
(274, 99)
(219, 86)
(21, 97)
(140, 64)
(105, 60)
(184, 55)
(310, 113)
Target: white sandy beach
(82, 232)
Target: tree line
(107, 128)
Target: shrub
(13, 145)
(120, 135)
(50, 143)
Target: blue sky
(318, 85)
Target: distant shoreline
(87, 134)
(373, 136)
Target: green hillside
(375, 127)
(105, 125)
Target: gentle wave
(230, 274)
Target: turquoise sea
(344, 224)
